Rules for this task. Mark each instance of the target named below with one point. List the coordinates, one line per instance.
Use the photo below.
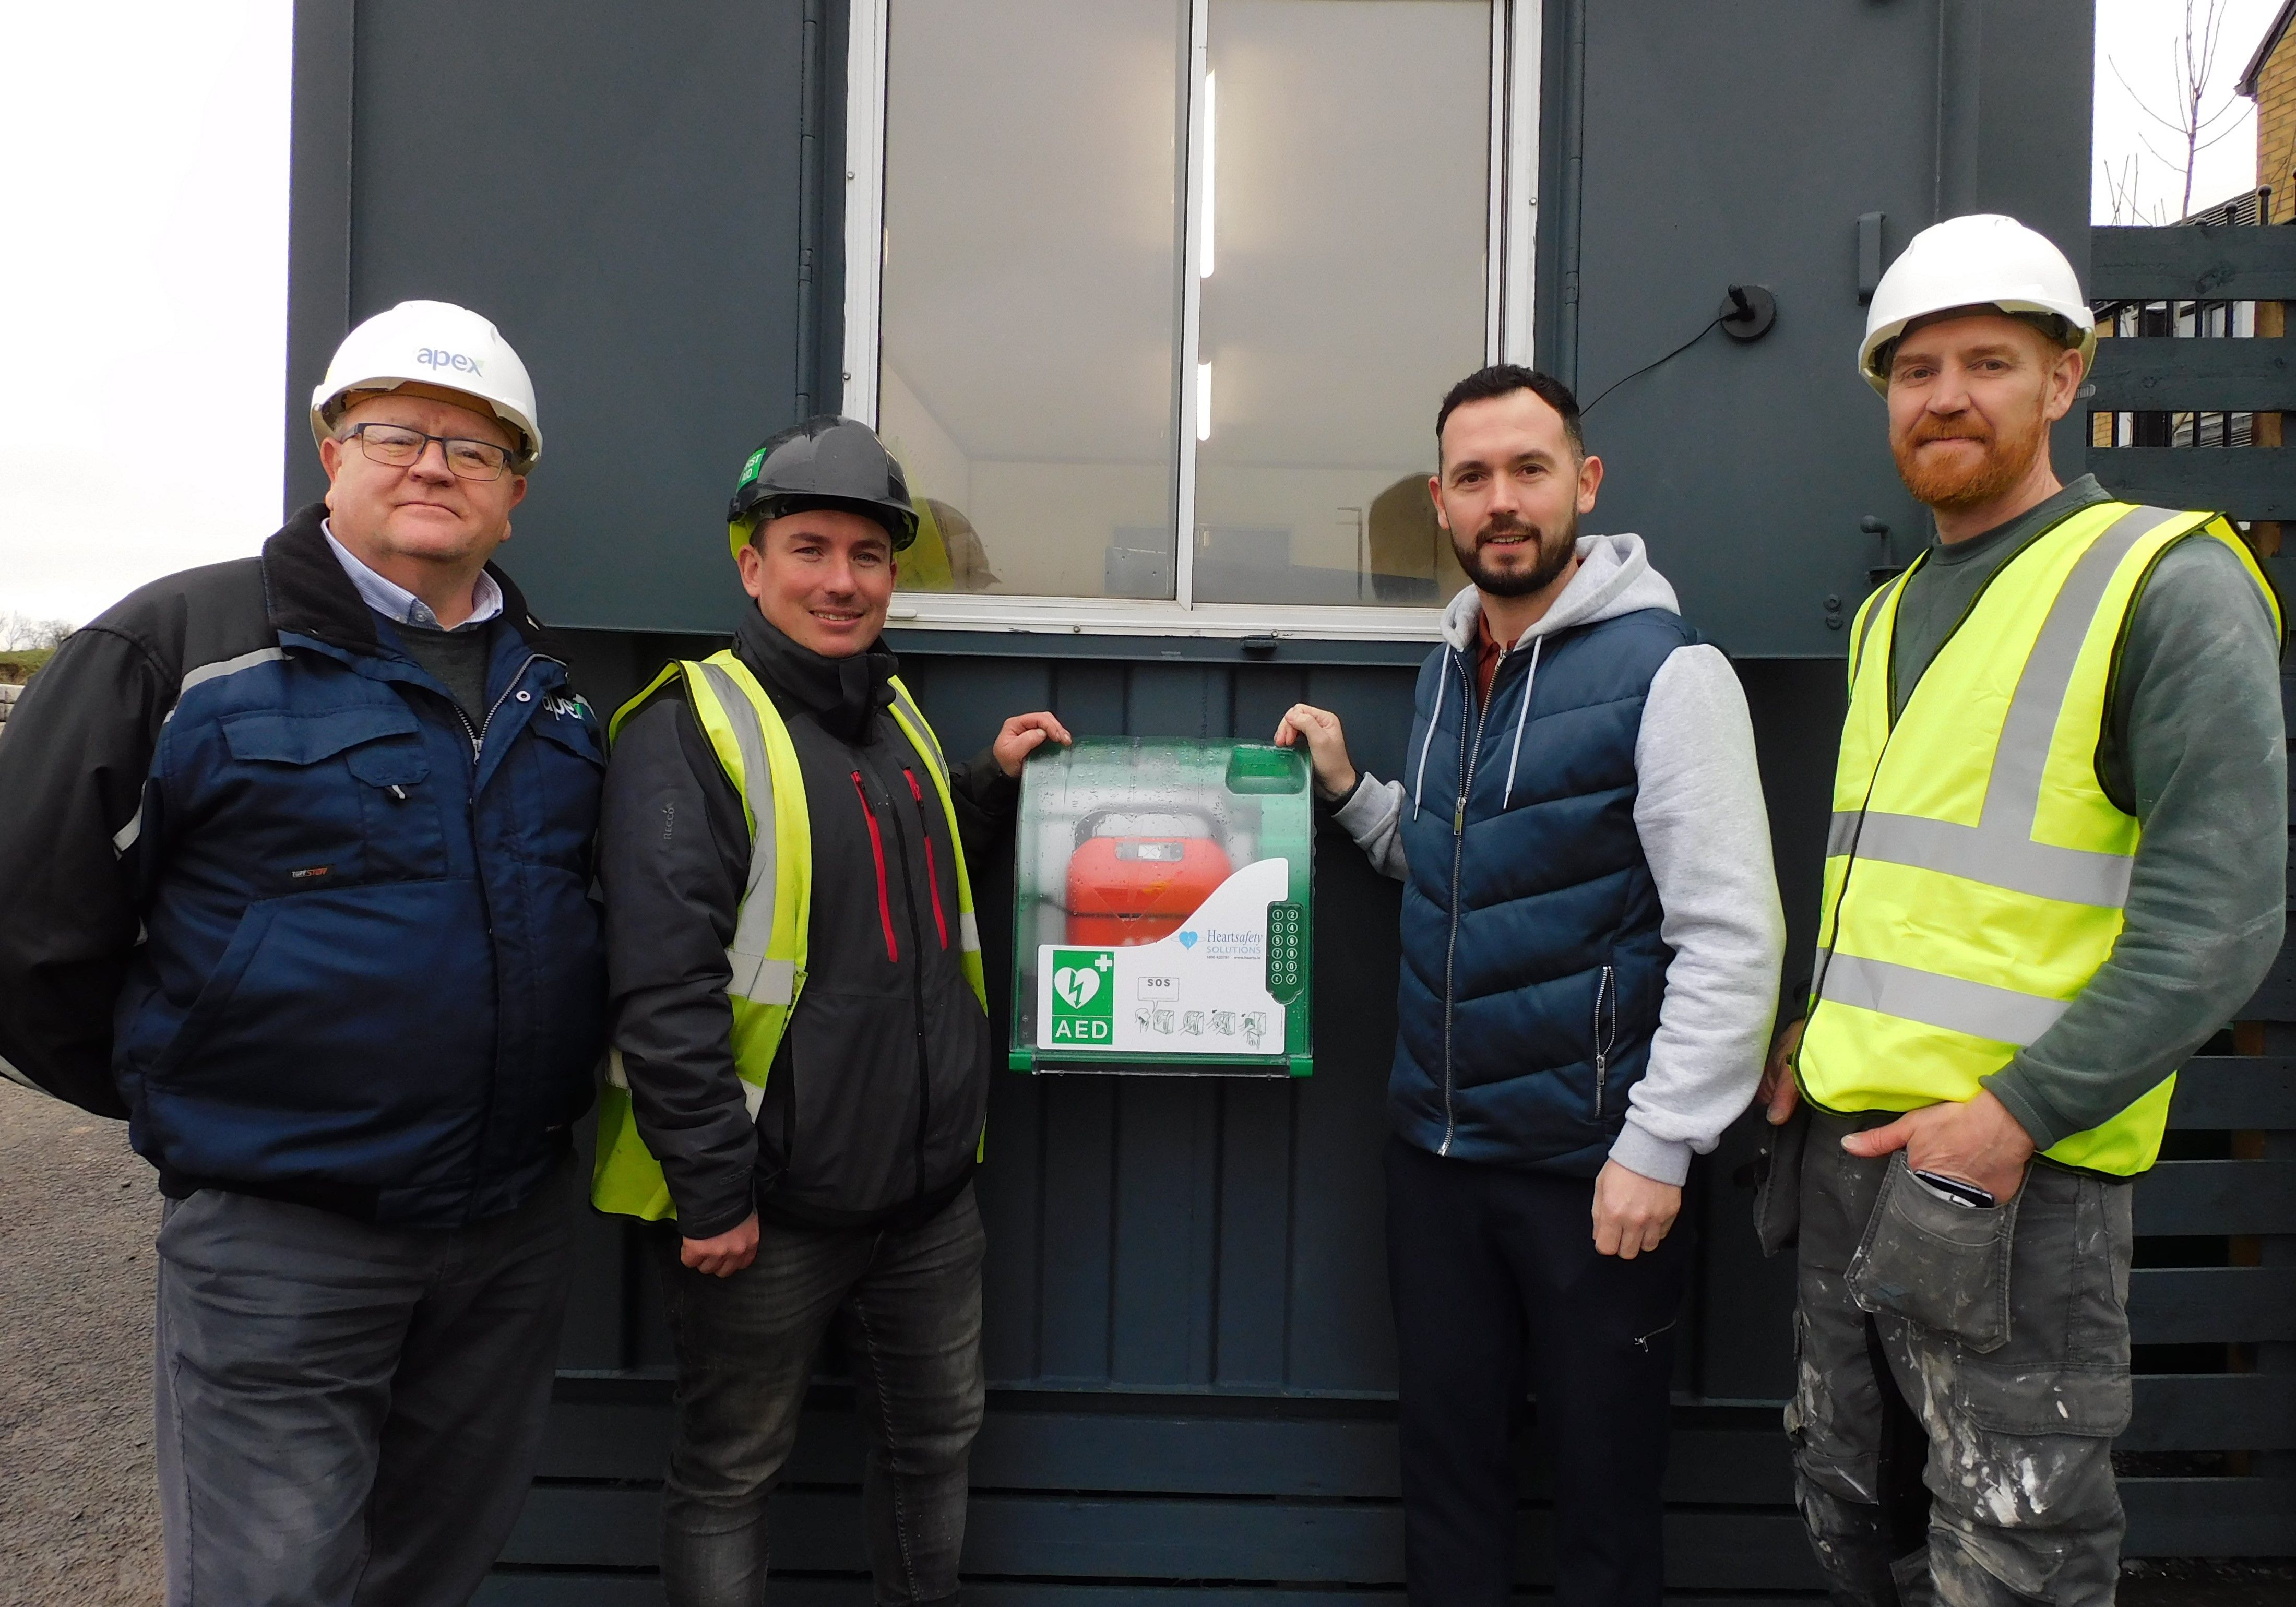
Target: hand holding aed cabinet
(1591, 939)
(784, 853)
(823, 577)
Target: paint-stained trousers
(1965, 1460)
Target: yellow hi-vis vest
(1976, 872)
(768, 951)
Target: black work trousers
(907, 1303)
(1498, 1288)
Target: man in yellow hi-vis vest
(801, 1049)
(2056, 866)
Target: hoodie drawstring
(1529, 679)
(1432, 720)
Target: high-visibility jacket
(767, 956)
(1976, 871)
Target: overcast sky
(146, 193)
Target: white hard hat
(1983, 259)
(432, 343)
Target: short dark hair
(1504, 379)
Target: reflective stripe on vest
(1976, 872)
(767, 958)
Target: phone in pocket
(1954, 1191)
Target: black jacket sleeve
(73, 830)
(673, 858)
(987, 802)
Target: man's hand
(1977, 1141)
(725, 1255)
(1327, 746)
(1778, 1090)
(1632, 1213)
(1022, 735)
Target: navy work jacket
(371, 977)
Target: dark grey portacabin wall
(1682, 155)
(623, 189)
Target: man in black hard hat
(802, 1046)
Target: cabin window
(1155, 300)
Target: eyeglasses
(399, 447)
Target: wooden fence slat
(2213, 1197)
(2201, 262)
(2212, 1305)
(2213, 1411)
(2167, 375)
(2236, 1091)
(2275, 997)
(2246, 482)
(2209, 1517)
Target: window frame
(1510, 298)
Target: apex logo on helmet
(431, 357)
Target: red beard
(2001, 462)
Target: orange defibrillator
(1133, 888)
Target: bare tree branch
(2193, 71)
(22, 633)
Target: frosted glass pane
(1030, 319)
(1349, 215)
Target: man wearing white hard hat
(297, 854)
(2056, 866)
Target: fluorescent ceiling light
(1203, 401)
(1211, 168)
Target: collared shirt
(1488, 652)
(394, 602)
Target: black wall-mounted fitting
(1748, 311)
(1869, 254)
(1885, 566)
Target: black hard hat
(827, 462)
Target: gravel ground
(79, 1518)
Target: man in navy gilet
(1591, 944)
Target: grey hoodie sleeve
(1706, 834)
(1372, 814)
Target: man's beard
(2004, 459)
(1554, 551)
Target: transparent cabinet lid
(1162, 908)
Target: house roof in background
(2265, 47)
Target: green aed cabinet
(1162, 903)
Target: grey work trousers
(349, 1414)
(907, 1304)
(1929, 1470)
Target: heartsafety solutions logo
(1084, 996)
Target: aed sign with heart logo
(1202, 990)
